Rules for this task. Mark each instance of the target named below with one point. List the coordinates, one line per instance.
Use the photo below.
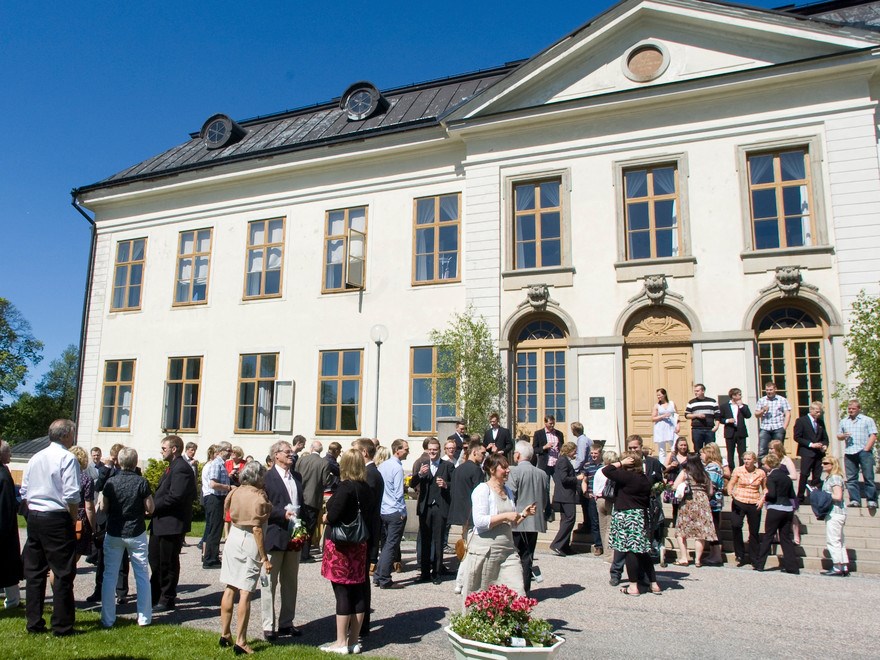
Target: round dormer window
(220, 131)
(361, 100)
(645, 61)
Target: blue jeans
(137, 550)
(393, 524)
(702, 437)
(593, 516)
(764, 438)
(864, 461)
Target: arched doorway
(539, 372)
(790, 338)
(657, 354)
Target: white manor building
(678, 191)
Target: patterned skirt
(627, 531)
(695, 518)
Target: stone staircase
(861, 534)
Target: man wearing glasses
(171, 521)
(285, 491)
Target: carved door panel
(641, 374)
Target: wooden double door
(647, 369)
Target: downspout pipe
(87, 299)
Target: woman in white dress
(665, 424)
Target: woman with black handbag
(345, 550)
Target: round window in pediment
(645, 62)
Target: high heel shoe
(242, 650)
(225, 642)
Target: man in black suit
(654, 471)
(377, 487)
(734, 414)
(432, 478)
(461, 438)
(812, 440)
(539, 442)
(172, 516)
(285, 491)
(497, 438)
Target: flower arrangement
(500, 616)
(296, 528)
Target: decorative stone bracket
(789, 281)
(537, 296)
(655, 290)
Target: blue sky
(90, 88)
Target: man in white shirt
(51, 485)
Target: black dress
(10, 548)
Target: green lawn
(198, 527)
(128, 640)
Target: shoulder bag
(353, 532)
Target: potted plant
(497, 624)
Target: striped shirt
(774, 418)
(706, 405)
(860, 430)
(746, 486)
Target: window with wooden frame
(432, 389)
(345, 249)
(265, 258)
(193, 264)
(436, 239)
(537, 224)
(128, 276)
(651, 209)
(780, 198)
(182, 387)
(339, 392)
(256, 392)
(116, 397)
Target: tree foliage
(467, 350)
(29, 416)
(18, 348)
(863, 347)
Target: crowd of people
(275, 514)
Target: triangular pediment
(643, 43)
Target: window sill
(630, 271)
(814, 258)
(557, 276)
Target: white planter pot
(465, 649)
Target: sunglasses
(826, 462)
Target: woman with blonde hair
(710, 454)
(746, 488)
(778, 448)
(382, 455)
(778, 500)
(565, 498)
(85, 513)
(833, 484)
(345, 564)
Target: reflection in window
(182, 394)
(256, 389)
(785, 318)
(437, 221)
(780, 199)
(193, 260)
(540, 330)
(653, 228)
(344, 247)
(128, 276)
(339, 392)
(432, 389)
(265, 256)
(537, 224)
(116, 398)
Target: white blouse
(484, 506)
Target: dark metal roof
(859, 13)
(409, 107)
(24, 451)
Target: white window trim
(812, 256)
(630, 270)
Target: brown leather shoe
(398, 568)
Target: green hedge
(155, 470)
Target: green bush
(153, 473)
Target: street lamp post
(378, 333)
